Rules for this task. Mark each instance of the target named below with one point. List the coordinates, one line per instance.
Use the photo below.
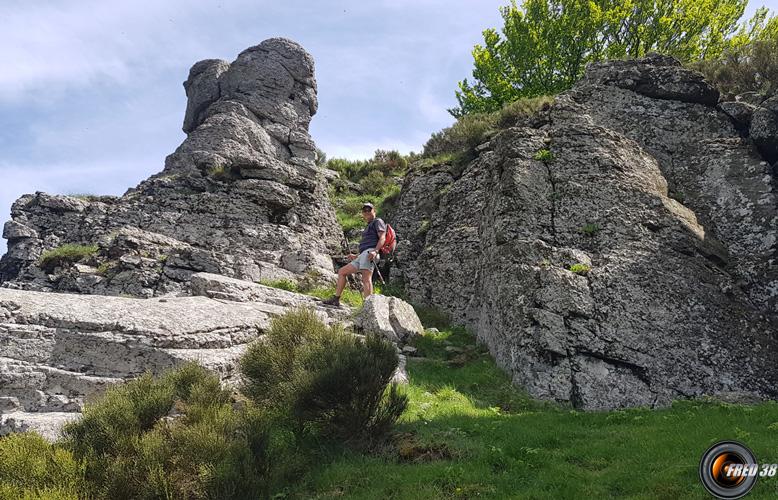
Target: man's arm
(379, 245)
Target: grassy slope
(487, 440)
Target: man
(373, 238)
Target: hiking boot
(332, 301)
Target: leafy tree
(545, 45)
(749, 63)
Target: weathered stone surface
(739, 112)
(273, 299)
(241, 196)
(58, 349)
(764, 132)
(657, 76)
(389, 317)
(651, 187)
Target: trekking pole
(379, 274)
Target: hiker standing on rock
(373, 239)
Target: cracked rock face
(241, 196)
(59, 349)
(650, 188)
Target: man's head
(368, 211)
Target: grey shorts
(362, 263)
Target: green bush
(343, 392)
(374, 183)
(68, 253)
(472, 129)
(325, 380)
(31, 467)
(175, 436)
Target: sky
(91, 95)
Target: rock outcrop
(59, 349)
(633, 265)
(240, 197)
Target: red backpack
(390, 242)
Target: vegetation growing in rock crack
(580, 268)
(590, 229)
(68, 253)
(544, 155)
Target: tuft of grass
(220, 173)
(590, 229)
(68, 253)
(544, 155)
(283, 284)
(349, 297)
(579, 268)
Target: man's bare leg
(367, 283)
(343, 273)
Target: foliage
(544, 45)
(176, 436)
(66, 254)
(326, 380)
(581, 269)
(748, 64)
(372, 180)
(590, 229)
(31, 467)
(544, 155)
(473, 129)
(220, 173)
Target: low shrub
(31, 467)
(68, 253)
(475, 128)
(176, 436)
(326, 381)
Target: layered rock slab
(56, 350)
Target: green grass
(468, 433)
(66, 254)
(349, 297)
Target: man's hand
(371, 255)
(352, 256)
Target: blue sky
(91, 99)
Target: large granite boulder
(389, 317)
(241, 196)
(633, 265)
